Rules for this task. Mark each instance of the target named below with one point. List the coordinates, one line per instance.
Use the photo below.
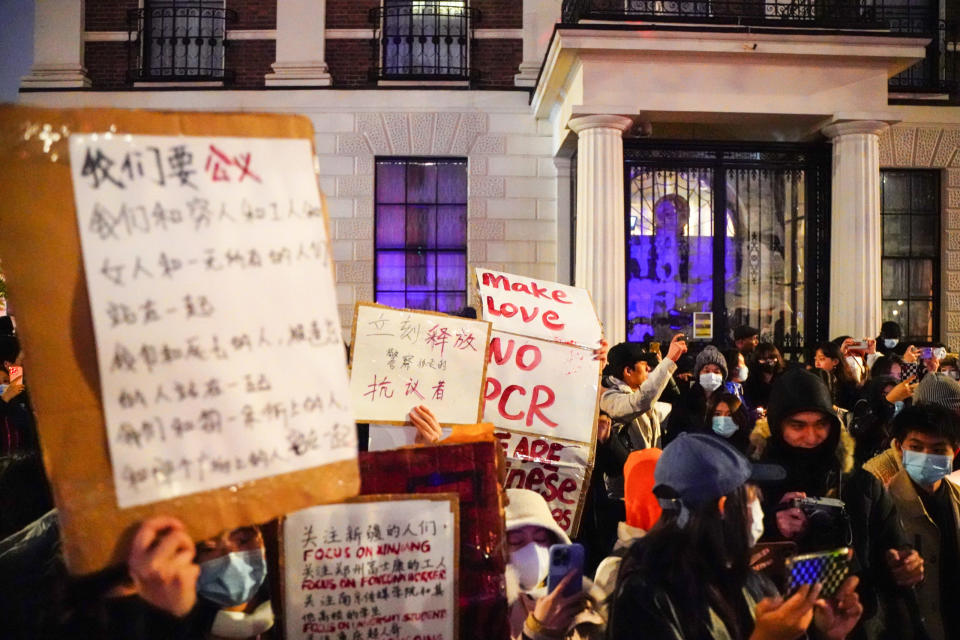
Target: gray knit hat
(939, 389)
(710, 355)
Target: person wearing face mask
(889, 338)
(765, 366)
(830, 364)
(739, 374)
(534, 613)
(231, 583)
(727, 418)
(690, 576)
(690, 411)
(920, 361)
(950, 367)
(927, 438)
(807, 439)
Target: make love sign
(539, 309)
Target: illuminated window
(427, 38)
(183, 39)
(421, 233)
(910, 205)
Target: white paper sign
(530, 307)
(211, 290)
(540, 387)
(402, 359)
(559, 471)
(388, 566)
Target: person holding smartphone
(537, 613)
(690, 576)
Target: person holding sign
(535, 612)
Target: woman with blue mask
(928, 437)
(233, 572)
(727, 418)
(690, 411)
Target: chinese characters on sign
(402, 359)
(373, 569)
(211, 290)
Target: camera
(828, 521)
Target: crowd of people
(715, 464)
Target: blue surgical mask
(890, 343)
(926, 468)
(232, 579)
(711, 381)
(724, 426)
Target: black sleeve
(634, 608)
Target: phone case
(563, 559)
(830, 568)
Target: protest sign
(542, 398)
(200, 388)
(541, 387)
(264, 467)
(402, 358)
(559, 471)
(379, 566)
(539, 309)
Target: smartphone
(859, 346)
(16, 374)
(775, 559)
(927, 355)
(829, 568)
(565, 558)
(655, 347)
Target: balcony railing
(178, 41)
(939, 72)
(424, 40)
(827, 14)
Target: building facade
(789, 164)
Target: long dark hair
(841, 371)
(700, 566)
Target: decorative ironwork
(831, 14)
(424, 39)
(178, 40)
(939, 71)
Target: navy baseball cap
(700, 467)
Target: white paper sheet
(211, 290)
(402, 359)
(388, 566)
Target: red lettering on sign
(505, 397)
(535, 407)
(559, 296)
(550, 320)
(541, 397)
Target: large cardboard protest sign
(539, 309)
(220, 395)
(403, 358)
(542, 395)
(376, 567)
(200, 388)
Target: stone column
(600, 240)
(300, 45)
(855, 238)
(539, 16)
(57, 46)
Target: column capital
(875, 127)
(604, 121)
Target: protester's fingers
(147, 533)
(791, 495)
(848, 587)
(892, 557)
(767, 605)
(171, 544)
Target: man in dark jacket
(808, 440)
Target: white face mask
(531, 563)
(711, 381)
(756, 523)
(742, 373)
(940, 353)
(890, 343)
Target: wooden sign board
(48, 276)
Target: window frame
(407, 249)
(935, 214)
(146, 72)
(470, 17)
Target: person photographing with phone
(545, 603)
(690, 576)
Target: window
(425, 38)
(910, 206)
(421, 233)
(183, 40)
(725, 231)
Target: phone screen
(829, 568)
